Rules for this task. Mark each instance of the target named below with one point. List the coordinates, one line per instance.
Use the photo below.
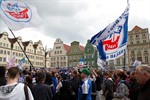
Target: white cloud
(79, 20)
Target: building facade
(63, 55)
(75, 54)
(138, 45)
(90, 55)
(14, 47)
(58, 55)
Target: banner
(111, 42)
(18, 15)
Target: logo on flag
(18, 15)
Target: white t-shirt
(85, 87)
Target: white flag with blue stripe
(18, 15)
(111, 42)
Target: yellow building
(9, 47)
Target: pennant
(111, 42)
(18, 15)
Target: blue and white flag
(18, 15)
(111, 42)
(21, 63)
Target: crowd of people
(74, 84)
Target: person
(41, 91)
(63, 87)
(2, 76)
(108, 88)
(14, 90)
(29, 81)
(134, 87)
(86, 86)
(98, 83)
(122, 91)
(143, 78)
(74, 84)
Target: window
(132, 51)
(131, 37)
(123, 61)
(8, 52)
(145, 50)
(137, 42)
(1, 51)
(118, 61)
(0, 59)
(3, 44)
(58, 47)
(88, 50)
(146, 59)
(139, 58)
(144, 41)
(137, 35)
(4, 52)
(131, 42)
(4, 59)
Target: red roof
(136, 28)
(82, 48)
(67, 47)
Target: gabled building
(90, 55)
(5, 48)
(58, 55)
(75, 54)
(39, 54)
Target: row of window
(4, 45)
(139, 51)
(58, 52)
(61, 64)
(137, 42)
(57, 58)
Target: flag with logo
(18, 15)
(111, 42)
(21, 63)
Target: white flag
(18, 15)
(111, 42)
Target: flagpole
(22, 48)
(124, 59)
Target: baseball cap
(85, 71)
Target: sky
(79, 20)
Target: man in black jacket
(143, 78)
(74, 85)
(41, 91)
